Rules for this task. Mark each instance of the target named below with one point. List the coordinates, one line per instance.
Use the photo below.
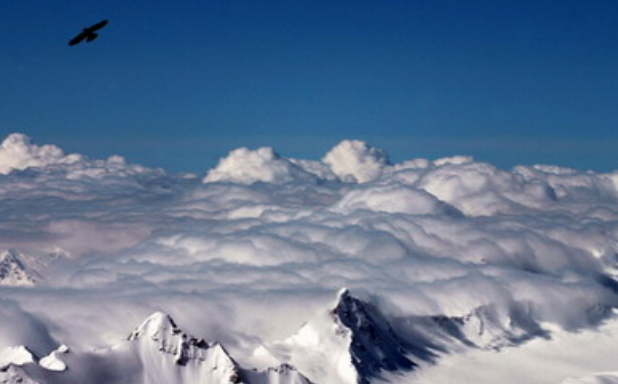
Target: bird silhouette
(88, 33)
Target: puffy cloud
(571, 184)
(354, 160)
(245, 166)
(17, 152)
(481, 189)
(393, 198)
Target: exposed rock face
(374, 346)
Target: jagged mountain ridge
(161, 344)
(352, 342)
(364, 344)
(157, 352)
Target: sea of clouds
(251, 249)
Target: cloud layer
(262, 240)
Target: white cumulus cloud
(247, 166)
(354, 160)
(18, 152)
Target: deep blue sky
(179, 84)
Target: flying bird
(88, 33)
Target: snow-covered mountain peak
(161, 329)
(18, 355)
(158, 351)
(164, 348)
(53, 361)
(13, 271)
(374, 346)
(157, 327)
(359, 341)
(348, 305)
(343, 292)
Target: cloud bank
(261, 239)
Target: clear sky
(179, 84)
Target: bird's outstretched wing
(88, 33)
(78, 39)
(98, 25)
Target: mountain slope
(350, 343)
(13, 271)
(167, 354)
(157, 352)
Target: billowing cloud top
(245, 166)
(349, 161)
(264, 239)
(354, 160)
(17, 152)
